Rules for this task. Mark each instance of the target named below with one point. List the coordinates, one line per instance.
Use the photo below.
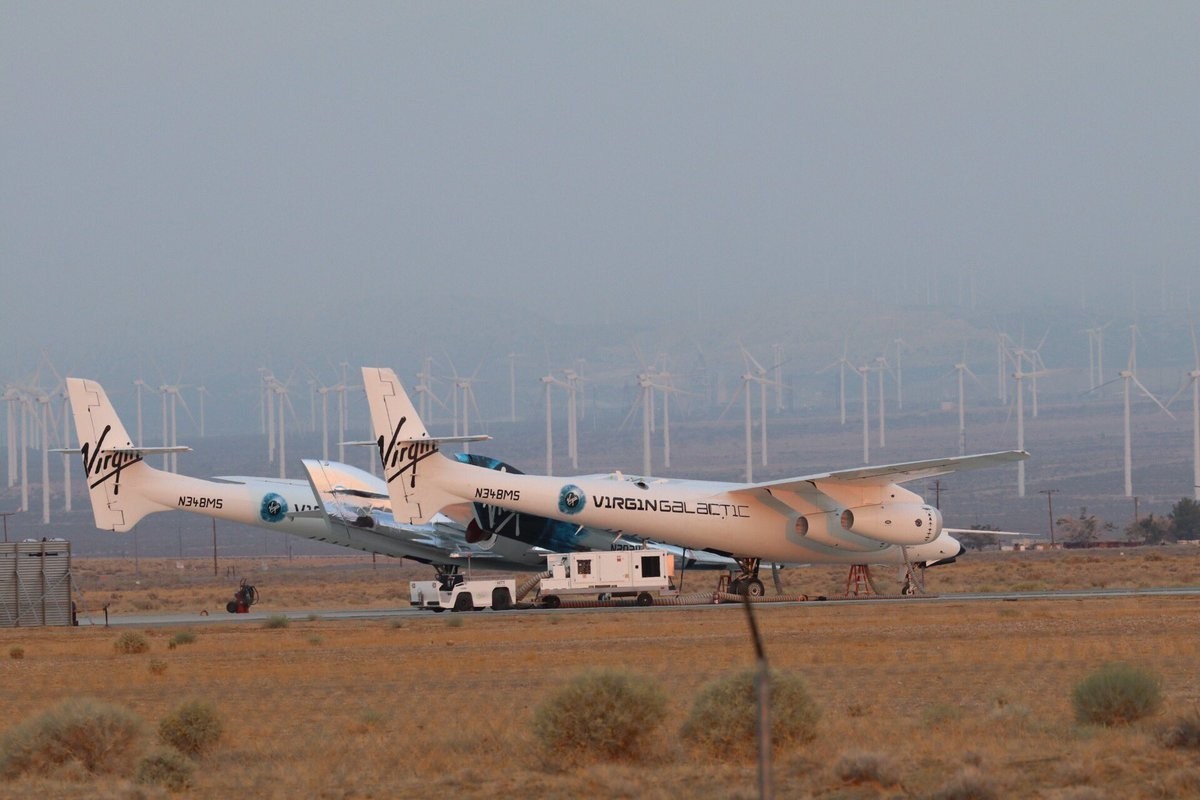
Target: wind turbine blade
(1148, 393)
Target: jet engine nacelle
(476, 535)
(895, 523)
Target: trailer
(618, 573)
(459, 593)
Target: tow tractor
(457, 592)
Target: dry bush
(165, 766)
(277, 621)
(970, 784)
(157, 666)
(16, 653)
(98, 736)
(600, 715)
(192, 729)
(857, 767)
(131, 643)
(722, 719)
(183, 637)
(1116, 694)
(1183, 732)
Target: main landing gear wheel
(747, 582)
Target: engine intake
(895, 523)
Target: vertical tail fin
(114, 465)
(403, 444)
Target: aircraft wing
(810, 487)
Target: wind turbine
(12, 399)
(465, 386)
(1194, 380)
(961, 368)
(758, 375)
(881, 365)
(842, 363)
(549, 381)
(1128, 377)
(171, 460)
(900, 345)
(865, 372)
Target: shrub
(157, 666)
(722, 719)
(858, 767)
(970, 784)
(183, 637)
(192, 729)
(16, 652)
(600, 715)
(1183, 732)
(1116, 694)
(277, 621)
(131, 643)
(165, 766)
(100, 737)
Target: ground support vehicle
(456, 592)
(607, 574)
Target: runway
(262, 616)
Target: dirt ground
(956, 696)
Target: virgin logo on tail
(101, 466)
(399, 457)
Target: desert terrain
(955, 696)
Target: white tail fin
(403, 444)
(116, 471)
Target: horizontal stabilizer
(475, 437)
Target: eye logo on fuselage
(571, 499)
(274, 507)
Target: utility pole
(1050, 509)
(6, 515)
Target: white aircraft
(338, 503)
(856, 516)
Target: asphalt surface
(261, 616)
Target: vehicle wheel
(501, 600)
(437, 609)
(552, 602)
(754, 588)
(464, 602)
(645, 599)
(231, 607)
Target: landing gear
(914, 576)
(746, 582)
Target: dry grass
(374, 709)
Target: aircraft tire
(753, 588)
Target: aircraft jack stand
(858, 582)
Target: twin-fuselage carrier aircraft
(338, 503)
(855, 516)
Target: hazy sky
(242, 182)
